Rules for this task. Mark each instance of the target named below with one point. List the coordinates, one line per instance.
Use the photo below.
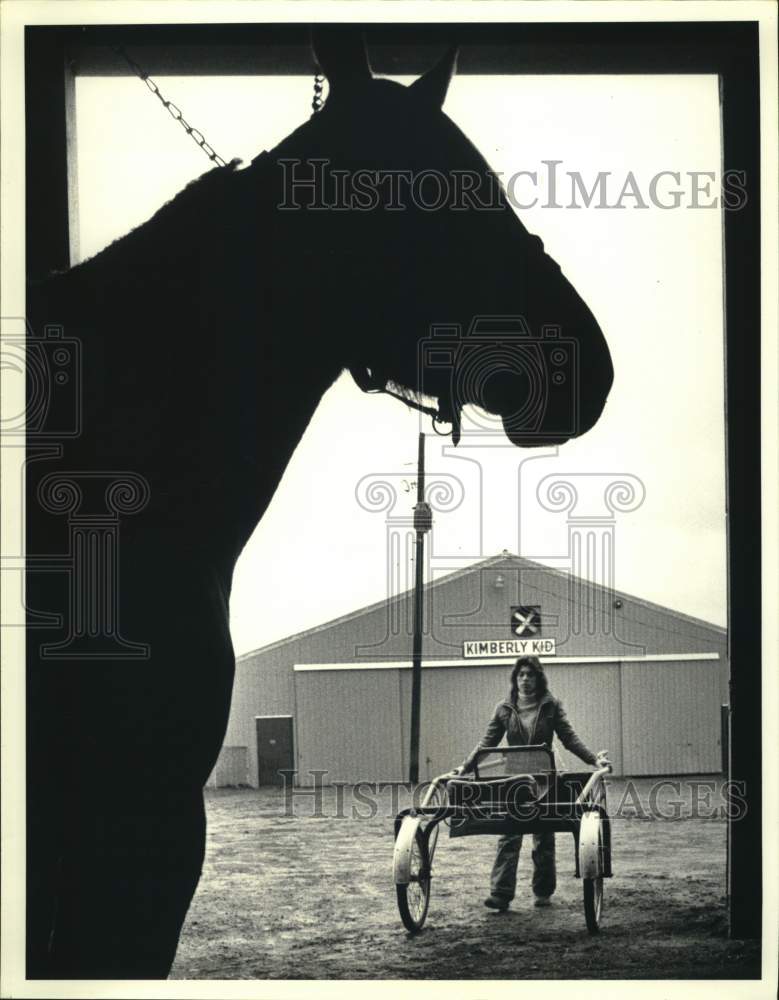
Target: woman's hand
(602, 759)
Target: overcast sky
(652, 276)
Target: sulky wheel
(593, 903)
(414, 894)
(591, 868)
(437, 800)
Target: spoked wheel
(593, 903)
(414, 896)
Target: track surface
(311, 897)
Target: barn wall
(348, 724)
(232, 768)
(671, 718)
(590, 694)
(471, 606)
(263, 686)
(655, 717)
(457, 701)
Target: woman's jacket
(550, 721)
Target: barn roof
(504, 560)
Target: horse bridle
(369, 382)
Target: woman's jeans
(503, 882)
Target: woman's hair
(542, 685)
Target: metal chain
(172, 109)
(317, 102)
(175, 112)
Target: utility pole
(423, 521)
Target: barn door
(274, 748)
(671, 717)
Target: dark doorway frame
(289, 765)
(729, 49)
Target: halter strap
(368, 382)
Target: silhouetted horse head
(416, 239)
(208, 336)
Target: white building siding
(590, 694)
(347, 724)
(671, 718)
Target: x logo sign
(525, 621)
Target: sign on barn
(508, 647)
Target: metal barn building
(641, 680)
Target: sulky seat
(497, 804)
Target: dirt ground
(306, 896)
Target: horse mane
(191, 207)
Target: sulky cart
(527, 795)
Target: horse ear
(432, 87)
(340, 51)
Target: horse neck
(211, 271)
(203, 362)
